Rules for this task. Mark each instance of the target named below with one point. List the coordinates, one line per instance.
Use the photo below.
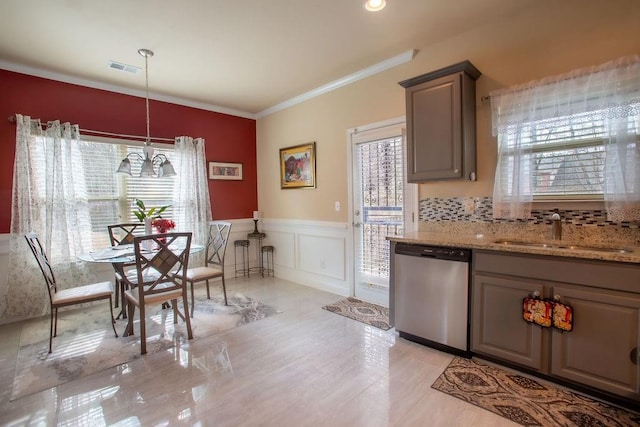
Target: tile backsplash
(474, 214)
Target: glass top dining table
(121, 254)
(120, 257)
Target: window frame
(123, 199)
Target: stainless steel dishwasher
(431, 293)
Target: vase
(162, 240)
(148, 245)
(147, 226)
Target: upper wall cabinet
(441, 124)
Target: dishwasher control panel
(439, 252)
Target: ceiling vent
(123, 67)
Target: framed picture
(218, 170)
(298, 166)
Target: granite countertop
(496, 243)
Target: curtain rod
(12, 119)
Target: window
(570, 137)
(381, 177)
(565, 157)
(110, 196)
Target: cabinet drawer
(600, 274)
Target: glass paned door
(378, 209)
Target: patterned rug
(86, 344)
(371, 314)
(526, 401)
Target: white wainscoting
(312, 253)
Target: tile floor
(303, 367)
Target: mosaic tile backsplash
(474, 214)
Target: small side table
(244, 249)
(259, 237)
(267, 260)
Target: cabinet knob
(634, 356)
(535, 294)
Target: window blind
(381, 181)
(564, 157)
(111, 196)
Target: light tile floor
(303, 367)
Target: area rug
(526, 401)
(86, 344)
(365, 312)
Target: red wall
(228, 138)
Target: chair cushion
(82, 293)
(149, 276)
(202, 273)
(158, 298)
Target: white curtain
(608, 94)
(191, 203)
(49, 198)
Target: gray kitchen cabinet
(497, 326)
(441, 124)
(601, 352)
(602, 349)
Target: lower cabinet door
(498, 328)
(602, 349)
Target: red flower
(163, 225)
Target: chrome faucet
(556, 227)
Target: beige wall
(550, 37)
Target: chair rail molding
(311, 253)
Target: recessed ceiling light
(375, 5)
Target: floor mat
(527, 401)
(365, 312)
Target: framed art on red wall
(228, 171)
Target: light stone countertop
(492, 242)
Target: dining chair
(214, 260)
(66, 297)
(119, 235)
(168, 259)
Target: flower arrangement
(163, 225)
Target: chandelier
(148, 160)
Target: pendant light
(149, 161)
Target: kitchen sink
(560, 245)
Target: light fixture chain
(149, 161)
(146, 75)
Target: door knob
(634, 356)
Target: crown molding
(38, 72)
(346, 80)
